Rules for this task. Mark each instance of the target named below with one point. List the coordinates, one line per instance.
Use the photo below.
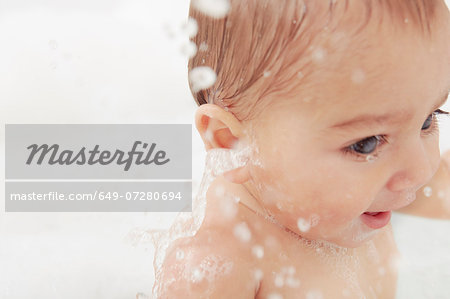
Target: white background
(98, 61)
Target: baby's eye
(430, 122)
(366, 146)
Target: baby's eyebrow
(370, 120)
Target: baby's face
(319, 173)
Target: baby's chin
(355, 235)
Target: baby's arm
(202, 267)
(433, 199)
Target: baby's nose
(414, 168)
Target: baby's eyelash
(382, 139)
(435, 124)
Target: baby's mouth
(376, 220)
(372, 213)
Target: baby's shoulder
(207, 265)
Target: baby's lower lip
(376, 220)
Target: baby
(333, 107)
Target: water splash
(218, 161)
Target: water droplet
(279, 205)
(279, 281)
(229, 207)
(179, 254)
(189, 49)
(53, 44)
(213, 8)
(242, 232)
(203, 47)
(410, 196)
(258, 274)
(316, 294)
(428, 191)
(220, 191)
(67, 56)
(201, 77)
(370, 158)
(346, 292)
(197, 275)
(267, 74)
(274, 296)
(303, 224)
(292, 282)
(294, 22)
(190, 27)
(258, 251)
(300, 75)
(358, 76)
(406, 20)
(319, 54)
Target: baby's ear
(217, 127)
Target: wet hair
(261, 46)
